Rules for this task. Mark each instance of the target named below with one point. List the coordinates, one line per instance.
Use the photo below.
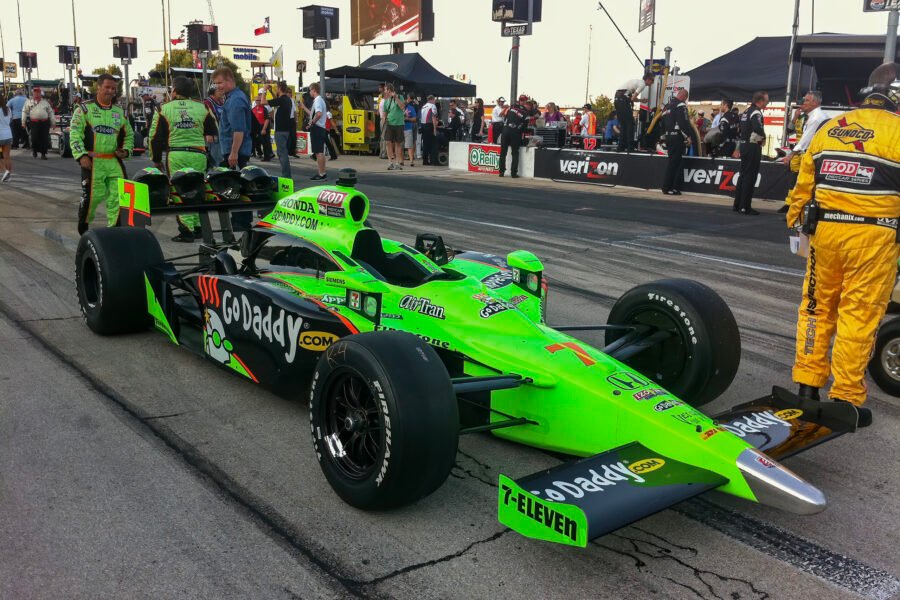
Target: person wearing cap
(497, 116)
(588, 121)
(38, 118)
(215, 102)
(513, 127)
(150, 108)
(625, 96)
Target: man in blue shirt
(611, 135)
(411, 119)
(234, 133)
(15, 105)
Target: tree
(602, 107)
(185, 59)
(112, 70)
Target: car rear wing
(135, 206)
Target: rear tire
(700, 359)
(384, 419)
(884, 367)
(109, 278)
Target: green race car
(401, 349)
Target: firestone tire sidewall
(118, 258)
(706, 327)
(888, 335)
(418, 408)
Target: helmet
(225, 184)
(256, 184)
(157, 184)
(190, 186)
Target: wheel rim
(354, 427)
(665, 361)
(890, 359)
(90, 282)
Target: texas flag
(180, 39)
(262, 30)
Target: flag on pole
(277, 62)
(262, 30)
(180, 39)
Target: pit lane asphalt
(132, 468)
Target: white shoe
(6, 176)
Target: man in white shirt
(317, 132)
(429, 120)
(625, 96)
(815, 117)
(497, 116)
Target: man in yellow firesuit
(850, 181)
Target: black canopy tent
(760, 64)
(411, 71)
(836, 64)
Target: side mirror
(363, 291)
(528, 271)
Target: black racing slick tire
(384, 419)
(700, 357)
(109, 278)
(884, 367)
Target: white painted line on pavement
(728, 261)
(440, 216)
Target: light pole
(890, 41)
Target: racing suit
(98, 131)
(677, 125)
(513, 128)
(729, 125)
(753, 135)
(180, 129)
(852, 169)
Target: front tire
(700, 358)
(384, 419)
(109, 278)
(884, 367)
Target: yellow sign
(358, 126)
(10, 70)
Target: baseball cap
(522, 97)
(501, 99)
(587, 106)
(701, 113)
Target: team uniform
(625, 112)
(513, 125)
(753, 134)
(852, 170)
(678, 126)
(180, 129)
(98, 132)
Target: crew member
(815, 118)
(513, 126)
(588, 121)
(753, 136)
(627, 93)
(100, 138)
(181, 129)
(850, 179)
(678, 127)
(38, 118)
(730, 126)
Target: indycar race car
(402, 348)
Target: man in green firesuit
(182, 129)
(100, 138)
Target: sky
(553, 61)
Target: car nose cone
(777, 486)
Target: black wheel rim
(665, 361)
(90, 281)
(354, 426)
